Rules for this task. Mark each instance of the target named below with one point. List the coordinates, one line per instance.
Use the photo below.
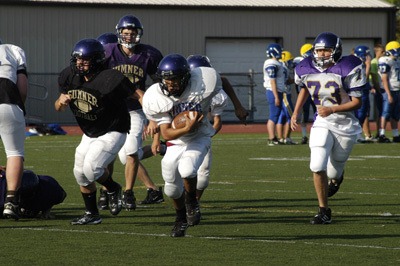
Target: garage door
(236, 57)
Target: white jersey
(12, 59)
(273, 69)
(333, 86)
(218, 103)
(391, 67)
(204, 84)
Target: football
(179, 120)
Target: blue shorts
(274, 111)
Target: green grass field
(256, 211)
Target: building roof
(376, 4)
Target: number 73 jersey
(333, 86)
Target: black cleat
(334, 187)
(102, 203)
(129, 200)
(179, 229)
(11, 211)
(323, 217)
(153, 196)
(193, 214)
(115, 201)
(87, 219)
(383, 139)
(396, 139)
(304, 140)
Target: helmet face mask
(327, 41)
(87, 57)
(129, 31)
(174, 73)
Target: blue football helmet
(29, 184)
(174, 67)
(274, 50)
(327, 40)
(198, 61)
(107, 37)
(362, 52)
(129, 22)
(91, 50)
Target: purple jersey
(333, 86)
(144, 62)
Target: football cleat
(179, 229)
(129, 200)
(304, 140)
(396, 139)
(193, 214)
(115, 201)
(323, 217)
(87, 219)
(273, 142)
(102, 203)
(153, 196)
(11, 211)
(334, 187)
(383, 139)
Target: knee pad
(92, 172)
(172, 190)
(202, 181)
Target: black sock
(110, 184)
(90, 202)
(181, 214)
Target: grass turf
(256, 211)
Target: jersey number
(315, 90)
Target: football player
(182, 90)
(389, 66)
(335, 84)
(97, 98)
(274, 83)
(363, 52)
(283, 125)
(13, 88)
(136, 61)
(38, 194)
(218, 104)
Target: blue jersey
(333, 86)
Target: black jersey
(99, 104)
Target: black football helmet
(174, 67)
(107, 37)
(198, 61)
(327, 40)
(132, 22)
(91, 50)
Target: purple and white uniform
(185, 154)
(332, 137)
(136, 68)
